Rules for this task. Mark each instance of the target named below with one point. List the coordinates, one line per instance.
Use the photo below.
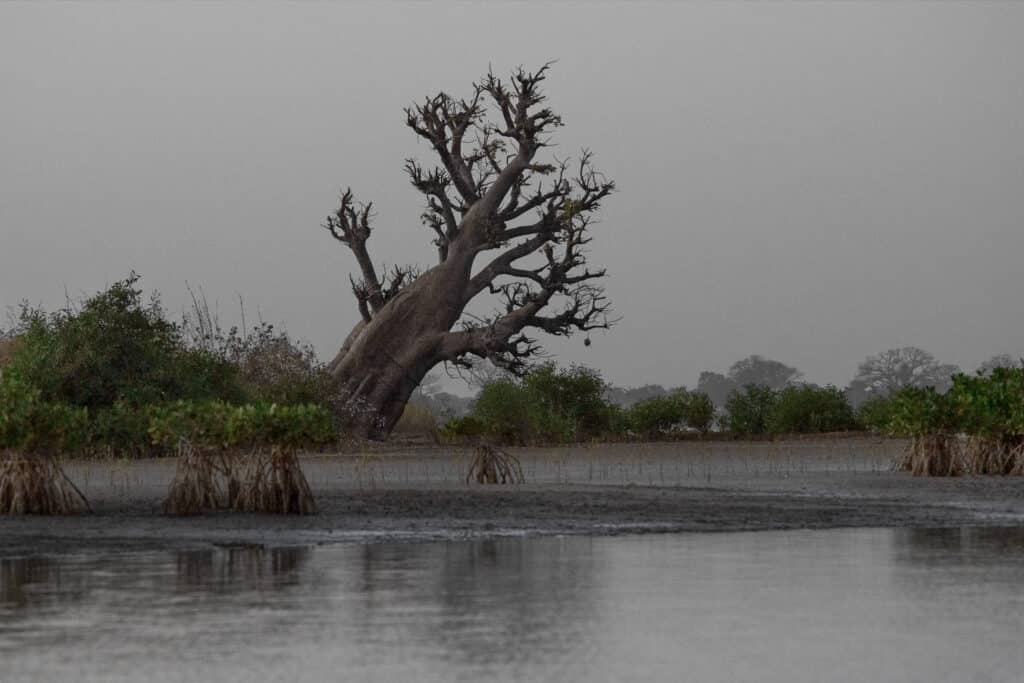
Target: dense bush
(988, 409)
(680, 408)
(875, 414)
(990, 405)
(918, 411)
(699, 411)
(547, 405)
(747, 412)
(29, 424)
(654, 416)
(572, 398)
(510, 412)
(115, 348)
(810, 409)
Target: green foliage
(115, 348)
(990, 405)
(917, 411)
(572, 400)
(548, 405)
(218, 425)
(468, 427)
(810, 409)
(699, 412)
(656, 415)
(677, 409)
(120, 430)
(875, 413)
(29, 424)
(511, 413)
(747, 411)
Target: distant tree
(753, 370)
(909, 366)
(763, 372)
(1002, 360)
(626, 398)
(716, 386)
(480, 372)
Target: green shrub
(115, 348)
(29, 424)
(657, 415)
(699, 411)
(990, 405)
(121, 430)
(510, 413)
(218, 425)
(467, 427)
(747, 411)
(571, 400)
(920, 412)
(810, 409)
(875, 414)
(549, 405)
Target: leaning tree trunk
(489, 193)
(386, 357)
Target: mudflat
(394, 493)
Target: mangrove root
(494, 466)
(272, 481)
(995, 455)
(36, 484)
(933, 455)
(197, 482)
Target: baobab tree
(489, 198)
(884, 373)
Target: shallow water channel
(842, 605)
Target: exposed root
(1016, 464)
(36, 484)
(261, 481)
(1000, 455)
(933, 455)
(494, 466)
(272, 481)
(196, 486)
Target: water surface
(843, 605)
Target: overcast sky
(814, 182)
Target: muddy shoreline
(419, 494)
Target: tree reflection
(235, 568)
(483, 602)
(960, 545)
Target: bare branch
(350, 225)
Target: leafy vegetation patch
(975, 428)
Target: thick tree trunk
(385, 359)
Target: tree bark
(385, 359)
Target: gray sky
(814, 182)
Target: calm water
(851, 605)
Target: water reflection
(846, 605)
(17, 576)
(238, 568)
(964, 545)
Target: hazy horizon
(811, 182)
